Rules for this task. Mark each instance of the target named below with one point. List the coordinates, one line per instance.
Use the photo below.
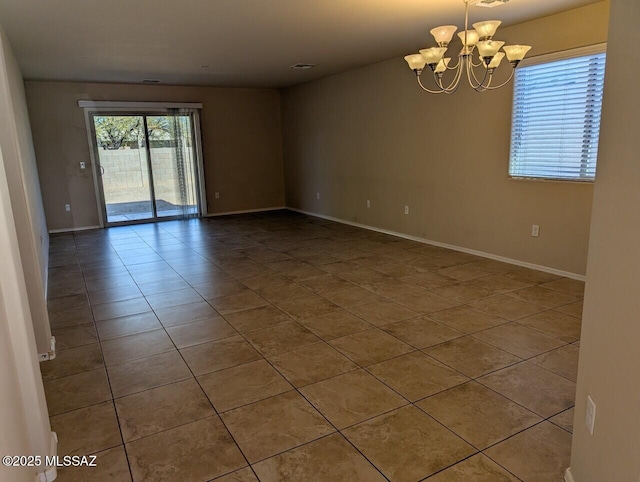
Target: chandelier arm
(513, 71)
(479, 86)
(476, 65)
(455, 67)
(455, 83)
(428, 90)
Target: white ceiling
(243, 42)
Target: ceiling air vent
(150, 81)
(490, 3)
(302, 66)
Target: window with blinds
(556, 117)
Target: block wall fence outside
(126, 175)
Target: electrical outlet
(217, 195)
(368, 203)
(406, 209)
(535, 230)
(83, 165)
(67, 208)
(317, 195)
(590, 418)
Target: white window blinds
(556, 118)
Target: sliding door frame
(142, 109)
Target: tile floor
(283, 347)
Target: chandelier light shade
(479, 39)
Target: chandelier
(480, 74)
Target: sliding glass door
(147, 166)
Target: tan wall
(609, 355)
(24, 188)
(241, 137)
(373, 134)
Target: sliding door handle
(101, 171)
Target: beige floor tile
(312, 364)
(518, 340)
(218, 355)
(500, 283)
(161, 408)
(70, 317)
(132, 347)
(407, 444)
(563, 361)
(541, 453)
(466, 319)
(261, 281)
(566, 285)
(532, 276)
(564, 327)
(573, 309)
(238, 302)
(177, 315)
(471, 356)
(242, 385)
(370, 346)
(335, 324)
(463, 272)
(118, 309)
(173, 298)
(307, 307)
(331, 458)
(116, 293)
(383, 312)
(351, 398)
(564, 419)
(506, 307)
(77, 391)
(416, 375)
(421, 332)
(67, 302)
(477, 414)
(284, 292)
(242, 475)
(221, 288)
(351, 296)
(256, 318)
(200, 331)
(478, 468)
(325, 283)
(111, 465)
(464, 292)
(543, 297)
(75, 336)
(146, 373)
(276, 424)
(72, 361)
(534, 388)
(87, 430)
(201, 450)
(127, 325)
(281, 338)
(391, 288)
(429, 280)
(426, 302)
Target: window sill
(586, 182)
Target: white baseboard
(246, 211)
(71, 230)
(568, 476)
(482, 254)
(51, 354)
(50, 473)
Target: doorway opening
(148, 165)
